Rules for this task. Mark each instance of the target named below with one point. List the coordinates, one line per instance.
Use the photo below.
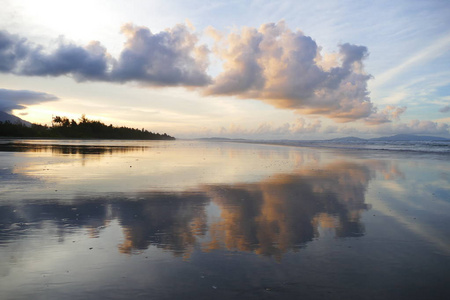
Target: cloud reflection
(270, 217)
(168, 221)
(285, 212)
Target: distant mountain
(397, 137)
(348, 139)
(214, 139)
(13, 119)
(409, 137)
(219, 139)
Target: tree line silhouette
(62, 127)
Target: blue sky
(364, 68)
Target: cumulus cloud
(20, 57)
(388, 114)
(423, 127)
(12, 50)
(445, 109)
(285, 69)
(272, 63)
(267, 130)
(411, 127)
(84, 63)
(303, 126)
(169, 58)
(19, 99)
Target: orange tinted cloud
(286, 69)
(272, 63)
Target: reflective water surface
(203, 220)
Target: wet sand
(202, 220)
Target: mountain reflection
(272, 217)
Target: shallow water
(203, 220)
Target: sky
(235, 69)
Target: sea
(442, 146)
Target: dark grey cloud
(84, 63)
(19, 99)
(20, 57)
(445, 109)
(169, 58)
(13, 49)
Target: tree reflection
(68, 149)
